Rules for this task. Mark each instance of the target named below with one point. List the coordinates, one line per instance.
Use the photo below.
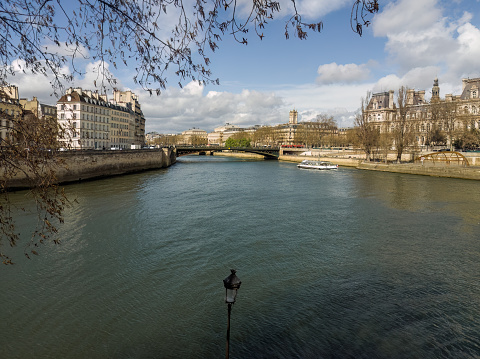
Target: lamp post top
(232, 281)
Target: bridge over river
(266, 152)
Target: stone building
(293, 117)
(129, 99)
(40, 110)
(223, 133)
(308, 133)
(450, 116)
(194, 136)
(10, 109)
(90, 121)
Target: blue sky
(410, 42)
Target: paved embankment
(74, 166)
(346, 162)
(450, 171)
(436, 170)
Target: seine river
(338, 264)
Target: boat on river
(317, 165)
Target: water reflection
(424, 194)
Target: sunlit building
(194, 136)
(10, 109)
(90, 121)
(450, 116)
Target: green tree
(239, 142)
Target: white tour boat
(317, 165)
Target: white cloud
(338, 100)
(40, 86)
(413, 40)
(313, 9)
(419, 78)
(310, 10)
(423, 47)
(176, 110)
(464, 61)
(30, 85)
(95, 77)
(349, 73)
(413, 16)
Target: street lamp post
(232, 284)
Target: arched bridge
(266, 152)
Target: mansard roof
(85, 98)
(468, 86)
(382, 99)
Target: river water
(337, 264)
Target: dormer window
(474, 94)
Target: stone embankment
(346, 162)
(450, 171)
(427, 169)
(74, 166)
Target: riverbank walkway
(356, 160)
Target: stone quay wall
(449, 171)
(75, 166)
(428, 169)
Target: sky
(409, 43)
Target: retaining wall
(452, 171)
(74, 166)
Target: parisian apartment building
(87, 119)
(90, 121)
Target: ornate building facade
(450, 116)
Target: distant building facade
(223, 133)
(194, 136)
(129, 99)
(40, 110)
(451, 115)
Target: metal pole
(228, 329)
